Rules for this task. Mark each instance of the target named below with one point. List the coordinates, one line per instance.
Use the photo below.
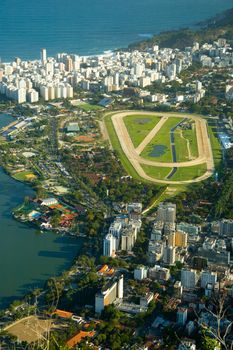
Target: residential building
(109, 293)
(188, 278)
(178, 239)
(166, 213)
(43, 56)
(140, 273)
(169, 255)
(159, 273)
(109, 245)
(208, 277)
(182, 315)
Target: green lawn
(181, 147)
(89, 107)
(24, 176)
(117, 147)
(189, 173)
(156, 172)
(185, 173)
(181, 138)
(139, 126)
(182, 174)
(192, 137)
(162, 138)
(216, 146)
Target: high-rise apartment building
(109, 293)
(43, 56)
(178, 239)
(169, 255)
(109, 245)
(208, 277)
(188, 278)
(182, 315)
(166, 213)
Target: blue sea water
(92, 26)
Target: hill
(212, 29)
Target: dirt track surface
(29, 329)
(133, 155)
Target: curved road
(204, 146)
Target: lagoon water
(92, 26)
(27, 259)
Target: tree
(110, 313)
(218, 308)
(207, 342)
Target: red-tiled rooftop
(63, 314)
(78, 337)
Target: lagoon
(27, 259)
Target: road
(133, 155)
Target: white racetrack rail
(133, 154)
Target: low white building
(49, 201)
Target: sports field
(89, 107)
(167, 148)
(162, 138)
(138, 126)
(24, 176)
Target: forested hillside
(219, 26)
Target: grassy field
(189, 173)
(24, 176)
(89, 107)
(182, 174)
(182, 139)
(192, 137)
(156, 172)
(182, 153)
(139, 126)
(162, 138)
(216, 146)
(117, 147)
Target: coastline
(28, 183)
(201, 24)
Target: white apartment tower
(169, 255)
(20, 95)
(109, 293)
(120, 287)
(32, 96)
(109, 245)
(166, 213)
(43, 56)
(44, 91)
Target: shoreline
(203, 24)
(34, 228)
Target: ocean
(88, 27)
